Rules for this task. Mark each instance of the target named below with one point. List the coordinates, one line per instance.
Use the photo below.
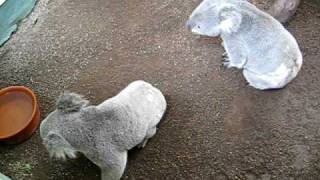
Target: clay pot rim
(29, 93)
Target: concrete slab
(216, 126)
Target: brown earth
(216, 127)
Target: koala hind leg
(263, 81)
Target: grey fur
(104, 133)
(283, 10)
(254, 41)
(69, 102)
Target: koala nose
(190, 25)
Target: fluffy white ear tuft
(230, 20)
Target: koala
(283, 10)
(104, 133)
(254, 41)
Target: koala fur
(104, 133)
(283, 10)
(254, 41)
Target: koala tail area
(70, 102)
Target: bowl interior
(16, 112)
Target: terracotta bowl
(19, 114)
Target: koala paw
(225, 60)
(226, 63)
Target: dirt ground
(216, 127)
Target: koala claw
(143, 144)
(227, 65)
(225, 55)
(226, 62)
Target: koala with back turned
(104, 133)
(254, 41)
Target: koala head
(54, 128)
(214, 17)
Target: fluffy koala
(104, 133)
(283, 10)
(254, 41)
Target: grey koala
(254, 41)
(283, 10)
(104, 133)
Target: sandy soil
(216, 127)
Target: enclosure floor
(216, 126)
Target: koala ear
(70, 102)
(230, 19)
